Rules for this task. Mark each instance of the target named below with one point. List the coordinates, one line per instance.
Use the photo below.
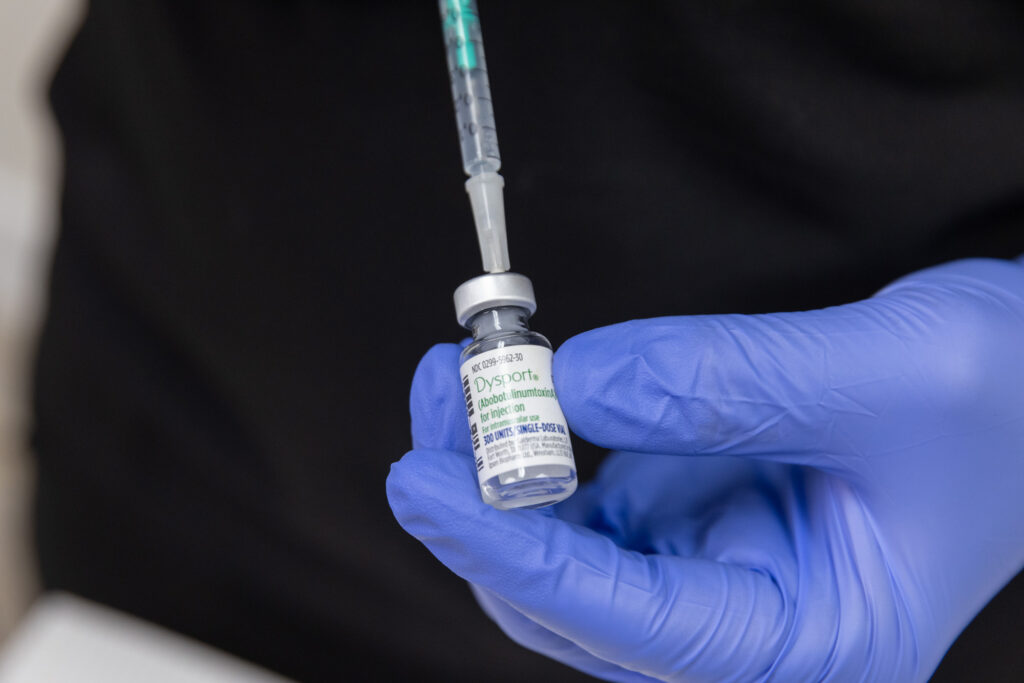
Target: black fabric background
(264, 220)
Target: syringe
(495, 307)
(477, 135)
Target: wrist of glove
(823, 495)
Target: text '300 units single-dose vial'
(521, 443)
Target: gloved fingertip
(440, 362)
(597, 376)
(435, 497)
(425, 488)
(572, 358)
(436, 404)
(578, 371)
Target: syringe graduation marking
(467, 67)
(459, 16)
(474, 118)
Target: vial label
(514, 417)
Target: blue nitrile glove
(858, 495)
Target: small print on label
(514, 417)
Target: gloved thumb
(808, 387)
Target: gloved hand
(843, 489)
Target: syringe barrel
(471, 91)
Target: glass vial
(520, 440)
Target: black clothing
(240, 293)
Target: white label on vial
(514, 417)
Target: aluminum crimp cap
(492, 290)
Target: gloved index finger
(737, 384)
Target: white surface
(33, 34)
(21, 208)
(21, 256)
(68, 640)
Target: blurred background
(32, 38)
